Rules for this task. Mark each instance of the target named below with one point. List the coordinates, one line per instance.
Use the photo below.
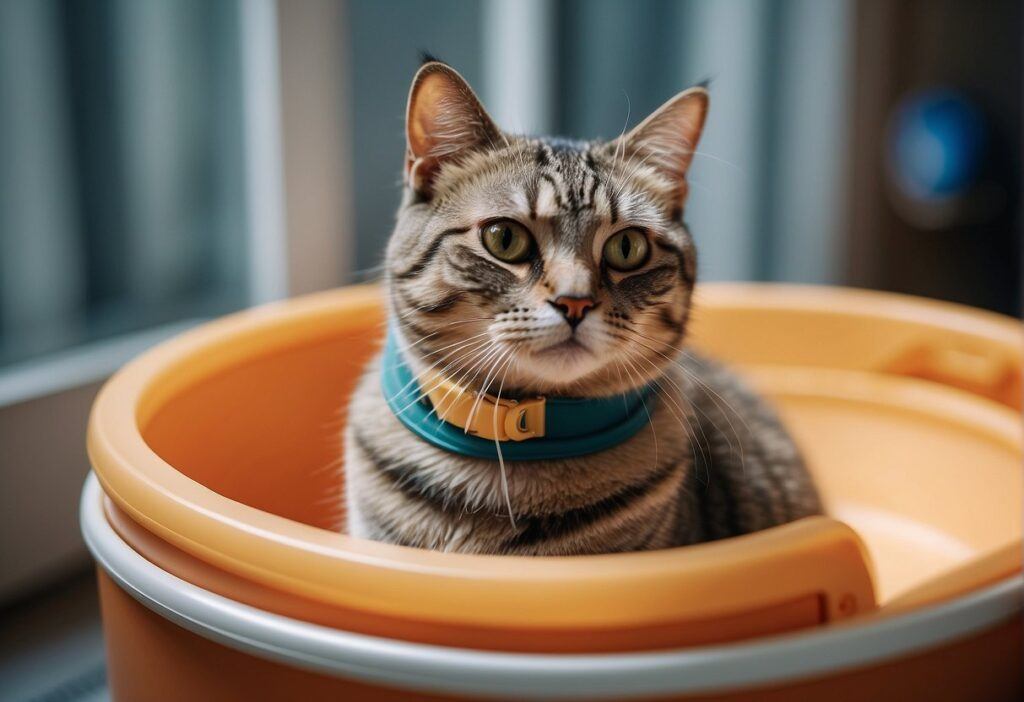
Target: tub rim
(719, 668)
(133, 474)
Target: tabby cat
(527, 267)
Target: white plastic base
(721, 668)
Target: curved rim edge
(192, 517)
(534, 676)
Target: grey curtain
(121, 181)
(766, 194)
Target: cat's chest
(408, 491)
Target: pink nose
(574, 309)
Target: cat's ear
(444, 120)
(668, 138)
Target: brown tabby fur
(713, 461)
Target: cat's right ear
(443, 120)
(667, 139)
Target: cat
(546, 267)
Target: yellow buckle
(483, 415)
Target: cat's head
(541, 265)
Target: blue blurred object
(936, 144)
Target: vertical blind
(124, 181)
(765, 200)
(121, 186)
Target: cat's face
(541, 266)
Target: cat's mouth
(562, 363)
(569, 348)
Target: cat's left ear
(444, 121)
(668, 138)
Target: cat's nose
(574, 309)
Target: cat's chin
(561, 364)
(571, 350)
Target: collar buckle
(484, 415)
(525, 419)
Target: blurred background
(166, 161)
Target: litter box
(215, 503)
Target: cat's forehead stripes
(549, 197)
(578, 177)
(568, 180)
(556, 180)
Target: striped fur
(714, 460)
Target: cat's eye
(507, 240)
(626, 250)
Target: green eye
(507, 241)
(627, 250)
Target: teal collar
(569, 426)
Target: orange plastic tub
(215, 519)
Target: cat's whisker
(639, 338)
(487, 383)
(501, 458)
(472, 358)
(492, 350)
(630, 368)
(468, 379)
(650, 419)
(704, 154)
(620, 142)
(464, 345)
(678, 416)
(699, 186)
(634, 165)
(332, 465)
(364, 275)
(706, 388)
(424, 393)
(660, 375)
(414, 311)
(672, 397)
(444, 329)
(478, 366)
(622, 383)
(436, 351)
